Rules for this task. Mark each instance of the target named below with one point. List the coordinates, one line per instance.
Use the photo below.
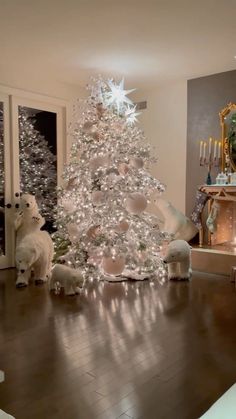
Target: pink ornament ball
(98, 197)
(113, 265)
(136, 162)
(136, 203)
(122, 227)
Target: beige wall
(165, 124)
(30, 86)
(34, 83)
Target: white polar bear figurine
(175, 222)
(28, 219)
(34, 252)
(178, 258)
(69, 279)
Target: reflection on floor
(134, 350)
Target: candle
(204, 150)
(215, 149)
(210, 143)
(201, 148)
(219, 150)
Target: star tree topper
(117, 95)
(131, 114)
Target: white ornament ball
(136, 203)
(113, 265)
(98, 197)
(122, 227)
(136, 162)
(123, 169)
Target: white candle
(215, 149)
(204, 150)
(219, 150)
(201, 148)
(210, 143)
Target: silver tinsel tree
(37, 165)
(102, 226)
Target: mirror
(228, 132)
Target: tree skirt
(127, 275)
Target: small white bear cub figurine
(69, 279)
(178, 259)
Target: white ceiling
(148, 42)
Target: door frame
(7, 259)
(12, 99)
(15, 102)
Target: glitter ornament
(122, 227)
(136, 203)
(93, 232)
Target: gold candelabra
(210, 156)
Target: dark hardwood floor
(131, 350)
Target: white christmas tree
(102, 226)
(37, 165)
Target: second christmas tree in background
(37, 165)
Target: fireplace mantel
(225, 195)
